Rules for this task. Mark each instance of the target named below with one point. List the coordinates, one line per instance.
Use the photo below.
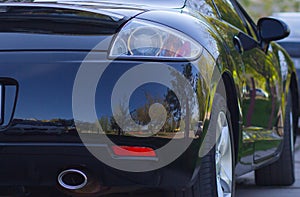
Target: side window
(229, 14)
(251, 30)
(250, 25)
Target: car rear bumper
(39, 164)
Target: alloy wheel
(223, 157)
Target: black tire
(281, 172)
(205, 183)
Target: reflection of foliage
(114, 126)
(183, 109)
(173, 108)
(229, 14)
(262, 69)
(172, 100)
(141, 114)
(104, 121)
(180, 115)
(262, 109)
(262, 74)
(121, 114)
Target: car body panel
(45, 67)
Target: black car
(104, 96)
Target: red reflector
(135, 151)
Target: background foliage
(259, 8)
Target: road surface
(247, 188)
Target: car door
(260, 95)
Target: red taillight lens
(135, 151)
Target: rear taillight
(133, 151)
(145, 39)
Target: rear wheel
(281, 173)
(216, 174)
(218, 164)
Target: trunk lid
(32, 26)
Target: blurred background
(260, 8)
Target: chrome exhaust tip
(72, 179)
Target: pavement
(247, 188)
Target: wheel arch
(232, 103)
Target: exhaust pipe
(72, 179)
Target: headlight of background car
(140, 38)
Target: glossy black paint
(57, 71)
(44, 65)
